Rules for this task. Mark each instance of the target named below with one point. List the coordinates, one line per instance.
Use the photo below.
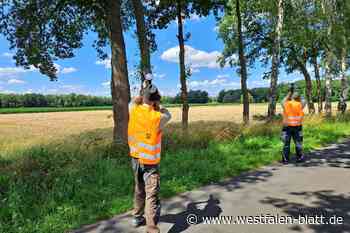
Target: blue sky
(85, 74)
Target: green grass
(63, 185)
(51, 109)
(77, 109)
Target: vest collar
(147, 106)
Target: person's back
(292, 125)
(145, 134)
(293, 113)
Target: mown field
(21, 110)
(59, 171)
(23, 130)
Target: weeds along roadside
(84, 178)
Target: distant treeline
(260, 95)
(256, 95)
(39, 100)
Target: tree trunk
(344, 88)
(144, 45)
(318, 80)
(328, 84)
(180, 36)
(275, 62)
(119, 80)
(243, 65)
(308, 91)
(327, 8)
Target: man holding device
(293, 115)
(147, 119)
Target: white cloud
(258, 83)
(15, 81)
(160, 76)
(72, 88)
(64, 70)
(11, 72)
(207, 83)
(7, 54)
(8, 91)
(57, 88)
(169, 91)
(29, 91)
(193, 57)
(58, 67)
(215, 83)
(223, 76)
(106, 63)
(68, 70)
(195, 70)
(106, 84)
(195, 17)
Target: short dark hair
(151, 93)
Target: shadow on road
(193, 214)
(334, 156)
(325, 202)
(247, 178)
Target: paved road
(319, 186)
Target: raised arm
(165, 118)
(287, 98)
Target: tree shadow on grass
(327, 203)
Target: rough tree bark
(328, 62)
(119, 80)
(275, 61)
(344, 88)
(318, 80)
(144, 46)
(308, 91)
(243, 65)
(328, 85)
(184, 97)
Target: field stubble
(25, 130)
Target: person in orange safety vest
(293, 115)
(146, 121)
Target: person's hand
(162, 110)
(291, 88)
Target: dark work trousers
(146, 196)
(289, 132)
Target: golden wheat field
(21, 130)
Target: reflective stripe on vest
(149, 157)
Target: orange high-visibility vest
(144, 135)
(293, 113)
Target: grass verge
(63, 185)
